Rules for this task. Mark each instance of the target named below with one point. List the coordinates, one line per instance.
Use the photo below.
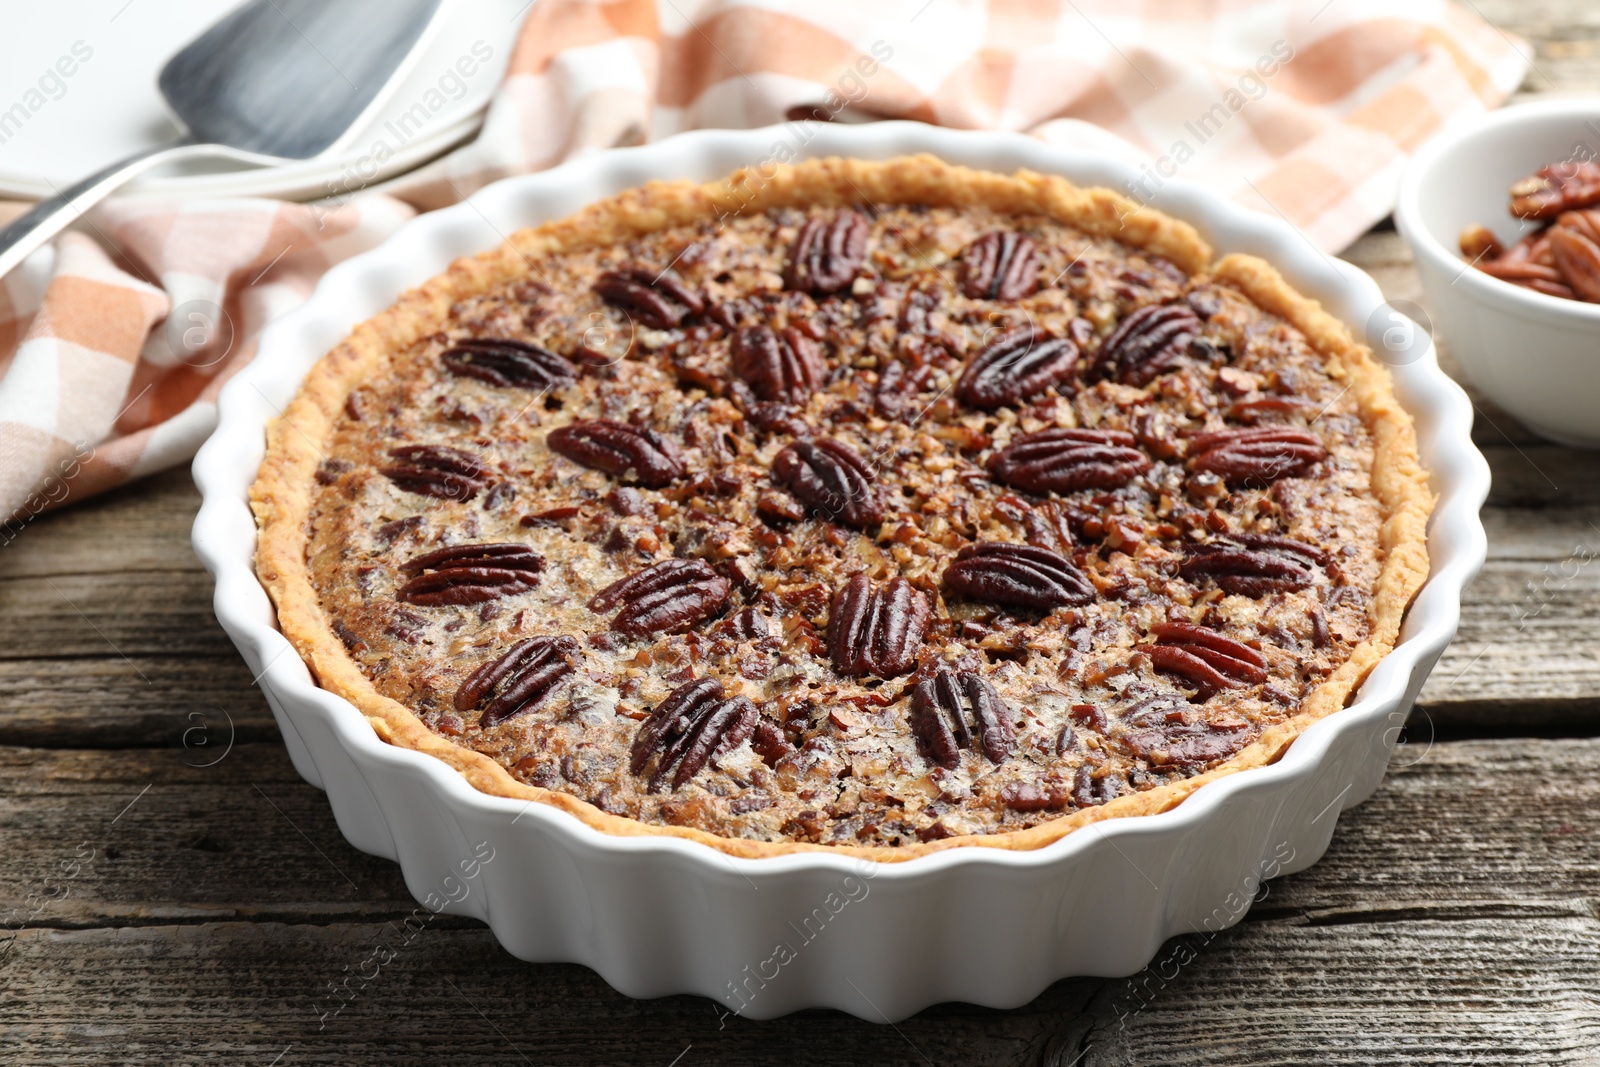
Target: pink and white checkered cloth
(115, 341)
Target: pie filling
(864, 526)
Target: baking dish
(763, 937)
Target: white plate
(658, 915)
(109, 106)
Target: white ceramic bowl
(1536, 356)
(658, 915)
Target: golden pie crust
(282, 497)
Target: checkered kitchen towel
(114, 342)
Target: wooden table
(174, 892)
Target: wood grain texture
(1262, 994)
(1561, 41)
(1460, 830)
(140, 700)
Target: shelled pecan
(618, 449)
(896, 386)
(1146, 344)
(1167, 731)
(771, 416)
(1264, 408)
(779, 365)
(953, 710)
(747, 625)
(1575, 247)
(390, 532)
(1155, 710)
(470, 574)
(695, 724)
(657, 299)
(1260, 454)
(919, 337)
(1002, 265)
(769, 742)
(671, 595)
(504, 362)
(876, 630)
(779, 507)
(829, 478)
(827, 253)
(1253, 565)
(1562, 258)
(1064, 461)
(519, 680)
(1479, 242)
(1036, 796)
(1529, 274)
(1559, 187)
(1206, 658)
(1093, 786)
(436, 471)
(1017, 366)
(1049, 526)
(1017, 576)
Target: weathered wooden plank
(246, 993)
(1460, 829)
(116, 614)
(140, 700)
(1487, 992)
(1418, 992)
(1529, 640)
(180, 834)
(111, 577)
(1542, 476)
(1542, 537)
(1560, 38)
(1470, 828)
(142, 526)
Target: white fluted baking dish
(656, 915)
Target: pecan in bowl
(1510, 266)
(1561, 256)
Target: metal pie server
(276, 80)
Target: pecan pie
(876, 507)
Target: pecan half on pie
(883, 507)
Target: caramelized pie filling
(864, 526)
